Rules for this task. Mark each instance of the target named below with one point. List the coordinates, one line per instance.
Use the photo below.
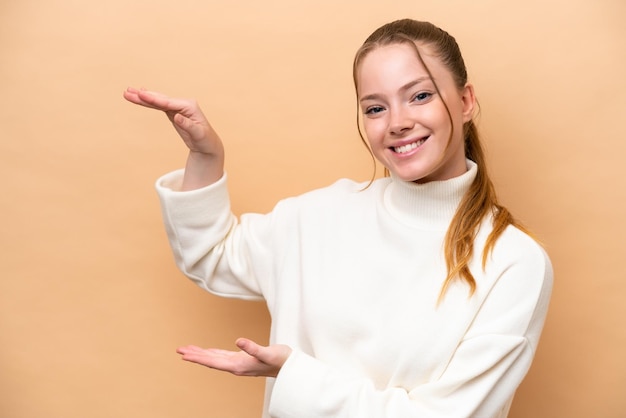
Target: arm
(210, 246)
(478, 381)
(205, 162)
(195, 203)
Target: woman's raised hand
(205, 163)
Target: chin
(411, 177)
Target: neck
(428, 205)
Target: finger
(166, 103)
(212, 357)
(130, 94)
(250, 347)
(274, 355)
(192, 128)
(134, 96)
(188, 349)
(137, 91)
(155, 100)
(192, 350)
(221, 360)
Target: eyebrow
(403, 88)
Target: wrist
(202, 169)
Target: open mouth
(409, 147)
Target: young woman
(414, 295)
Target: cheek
(374, 129)
(456, 110)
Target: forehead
(389, 65)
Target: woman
(414, 295)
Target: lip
(408, 142)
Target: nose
(400, 121)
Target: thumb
(249, 347)
(196, 131)
(274, 355)
(264, 354)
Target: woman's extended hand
(252, 360)
(205, 164)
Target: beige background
(91, 305)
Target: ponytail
(479, 202)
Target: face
(404, 118)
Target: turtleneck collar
(430, 205)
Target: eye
(372, 110)
(422, 96)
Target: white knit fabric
(351, 278)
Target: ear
(468, 99)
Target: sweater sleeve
(479, 381)
(206, 238)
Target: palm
(252, 360)
(185, 115)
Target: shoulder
(524, 263)
(515, 244)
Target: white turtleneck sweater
(351, 278)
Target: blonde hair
(480, 199)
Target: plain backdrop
(91, 305)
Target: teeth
(408, 147)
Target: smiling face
(404, 117)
